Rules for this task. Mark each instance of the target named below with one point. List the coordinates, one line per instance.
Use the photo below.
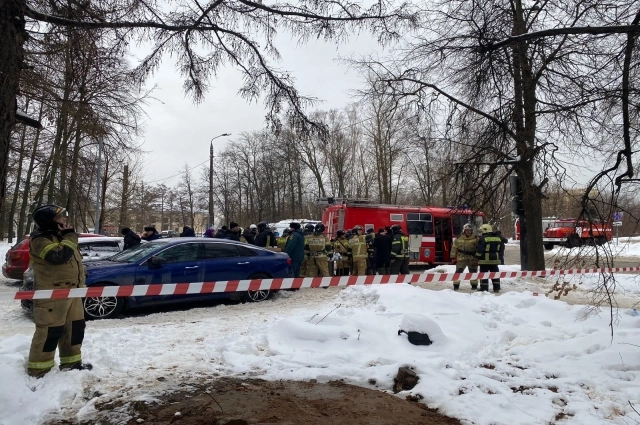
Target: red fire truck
(546, 222)
(431, 230)
(572, 233)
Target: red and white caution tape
(289, 283)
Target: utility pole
(211, 220)
(124, 204)
(96, 221)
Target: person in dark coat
(150, 234)
(130, 238)
(382, 251)
(187, 232)
(504, 241)
(295, 247)
(220, 233)
(233, 232)
(265, 236)
(250, 234)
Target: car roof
(89, 239)
(177, 241)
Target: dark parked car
(182, 260)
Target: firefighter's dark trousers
(399, 266)
(59, 323)
(484, 283)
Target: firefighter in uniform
(308, 231)
(57, 264)
(488, 255)
(341, 246)
(358, 247)
(282, 240)
(371, 261)
(399, 251)
(463, 254)
(319, 250)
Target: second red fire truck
(431, 230)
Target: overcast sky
(177, 131)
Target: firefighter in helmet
(307, 232)
(358, 246)
(463, 254)
(488, 255)
(57, 264)
(319, 250)
(399, 251)
(341, 247)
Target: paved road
(578, 257)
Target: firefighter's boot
(76, 366)
(456, 286)
(484, 287)
(496, 287)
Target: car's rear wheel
(98, 308)
(548, 246)
(260, 295)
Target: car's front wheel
(259, 295)
(97, 308)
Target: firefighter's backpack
(417, 338)
(421, 330)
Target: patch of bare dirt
(231, 401)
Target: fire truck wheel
(573, 241)
(548, 246)
(601, 240)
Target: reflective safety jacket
(489, 247)
(464, 246)
(358, 245)
(56, 260)
(281, 241)
(319, 245)
(341, 246)
(399, 246)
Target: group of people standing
(352, 252)
(485, 250)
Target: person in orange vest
(359, 254)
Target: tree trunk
(13, 36)
(531, 251)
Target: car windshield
(137, 252)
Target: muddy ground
(232, 401)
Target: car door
(181, 266)
(226, 261)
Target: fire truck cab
(431, 230)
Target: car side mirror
(157, 261)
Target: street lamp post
(97, 224)
(211, 179)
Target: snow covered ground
(516, 358)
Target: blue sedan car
(182, 260)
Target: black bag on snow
(417, 338)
